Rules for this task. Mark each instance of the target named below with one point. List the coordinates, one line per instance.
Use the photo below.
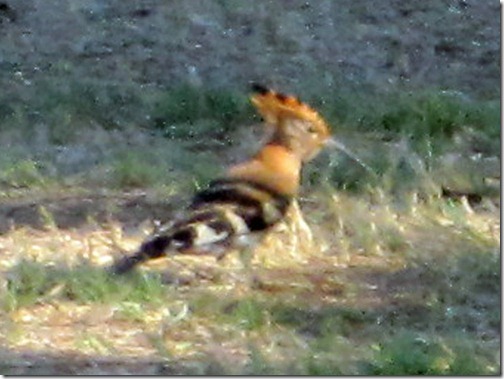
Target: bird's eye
(312, 130)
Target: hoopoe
(253, 196)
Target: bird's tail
(156, 247)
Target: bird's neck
(273, 166)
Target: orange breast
(274, 167)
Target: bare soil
(297, 45)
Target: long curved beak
(333, 143)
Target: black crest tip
(259, 88)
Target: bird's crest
(274, 106)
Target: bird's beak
(332, 143)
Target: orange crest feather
(274, 106)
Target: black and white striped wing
(229, 213)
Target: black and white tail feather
(224, 215)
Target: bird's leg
(300, 233)
(245, 276)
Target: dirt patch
(299, 45)
(71, 212)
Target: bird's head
(297, 126)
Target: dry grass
(370, 275)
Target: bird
(253, 196)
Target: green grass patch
(410, 354)
(248, 313)
(421, 116)
(158, 165)
(409, 141)
(188, 112)
(22, 173)
(136, 169)
(31, 282)
(67, 106)
(324, 322)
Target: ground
(426, 275)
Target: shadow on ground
(73, 212)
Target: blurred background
(297, 45)
(83, 79)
